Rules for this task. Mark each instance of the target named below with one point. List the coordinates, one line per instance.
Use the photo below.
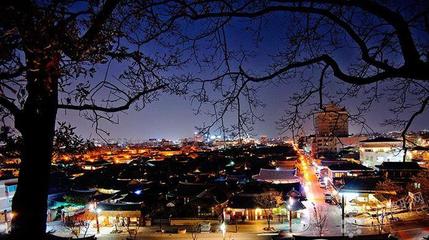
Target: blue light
(138, 192)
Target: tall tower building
(329, 124)
(332, 122)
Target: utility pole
(96, 222)
(342, 213)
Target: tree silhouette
(320, 216)
(267, 201)
(60, 55)
(384, 43)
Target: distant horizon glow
(172, 118)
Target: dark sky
(173, 117)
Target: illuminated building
(330, 124)
(277, 176)
(333, 121)
(374, 152)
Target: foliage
(77, 199)
(10, 143)
(66, 141)
(78, 228)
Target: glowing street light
(93, 208)
(289, 207)
(223, 229)
(325, 179)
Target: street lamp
(223, 229)
(289, 206)
(97, 212)
(326, 180)
(343, 206)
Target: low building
(249, 204)
(361, 195)
(287, 163)
(375, 151)
(277, 176)
(420, 154)
(111, 214)
(337, 172)
(7, 191)
(399, 171)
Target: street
(315, 194)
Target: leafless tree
(94, 57)
(392, 189)
(78, 228)
(132, 229)
(60, 55)
(420, 183)
(385, 44)
(320, 216)
(267, 201)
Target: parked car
(328, 198)
(205, 227)
(352, 214)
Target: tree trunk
(37, 125)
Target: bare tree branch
(112, 109)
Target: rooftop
(400, 165)
(278, 174)
(380, 139)
(348, 166)
(420, 148)
(359, 185)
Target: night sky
(173, 117)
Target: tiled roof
(362, 185)
(400, 165)
(119, 207)
(276, 175)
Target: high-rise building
(333, 121)
(263, 139)
(330, 125)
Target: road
(316, 200)
(200, 236)
(315, 194)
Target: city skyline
(161, 122)
(297, 119)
